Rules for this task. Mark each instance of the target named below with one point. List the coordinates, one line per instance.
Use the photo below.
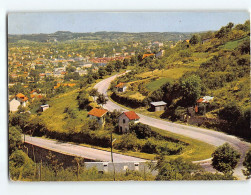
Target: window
(123, 120)
(120, 129)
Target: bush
(21, 166)
(142, 131)
(225, 159)
(127, 142)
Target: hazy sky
(28, 23)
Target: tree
(191, 89)
(225, 159)
(195, 39)
(54, 163)
(247, 164)
(102, 99)
(175, 169)
(118, 65)
(21, 166)
(14, 139)
(126, 63)
(102, 72)
(93, 92)
(142, 131)
(83, 100)
(110, 68)
(231, 112)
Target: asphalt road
(209, 136)
(80, 151)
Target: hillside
(214, 64)
(101, 36)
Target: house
(16, 101)
(98, 114)
(44, 107)
(203, 101)
(125, 118)
(158, 106)
(160, 54)
(121, 87)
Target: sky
(34, 23)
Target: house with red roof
(98, 114)
(17, 100)
(125, 118)
(121, 87)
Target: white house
(160, 54)
(17, 100)
(121, 87)
(125, 118)
(98, 114)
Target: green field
(154, 85)
(233, 44)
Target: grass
(55, 118)
(154, 85)
(137, 96)
(232, 44)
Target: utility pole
(112, 157)
(40, 176)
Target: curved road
(211, 137)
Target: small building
(44, 107)
(203, 102)
(17, 100)
(158, 106)
(125, 118)
(98, 114)
(121, 87)
(160, 54)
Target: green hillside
(210, 64)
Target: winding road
(209, 136)
(80, 151)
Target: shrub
(225, 159)
(21, 166)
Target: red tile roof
(120, 85)
(97, 112)
(200, 100)
(131, 115)
(146, 55)
(22, 97)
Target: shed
(44, 107)
(158, 106)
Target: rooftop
(120, 85)
(98, 112)
(160, 103)
(131, 115)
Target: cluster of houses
(123, 120)
(21, 100)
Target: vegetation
(247, 164)
(225, 159)
(210, 64)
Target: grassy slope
(55, 118)
(233, 44)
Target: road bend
(208, 136)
